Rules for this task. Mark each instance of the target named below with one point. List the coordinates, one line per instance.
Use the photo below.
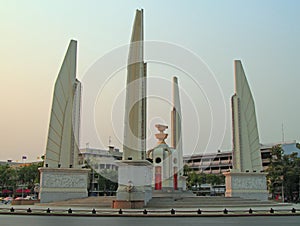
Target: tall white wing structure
(134, 143)
(63, 134)
(246, 146)
(176, 138)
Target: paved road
(8, 220)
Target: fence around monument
(149, 212)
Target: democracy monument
(142, 174)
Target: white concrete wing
(246, 147)
(63, 134)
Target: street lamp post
(282, 188)
(282, 191)
(299, 189)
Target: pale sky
(265, 35)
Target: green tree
(283, 174)
(29, 175)
(186, 170)
(8, 176)
(215, 179)
(108, 180)
(195, 179)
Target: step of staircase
(205, 202)
(93, 202)
(171, 200)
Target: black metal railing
(149, 212)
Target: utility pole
(282, 191)
(282, 131)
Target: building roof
(208, 155)
(100, 152)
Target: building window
(158, 160)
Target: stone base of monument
(134, 178)
(60, 184)
(246, 185)
(123, 204)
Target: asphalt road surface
(16, 220)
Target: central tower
(135, 172)
(134, 143)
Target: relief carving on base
(64, 181)
(248, 182)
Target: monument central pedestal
(134, 179)
(246, 185)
